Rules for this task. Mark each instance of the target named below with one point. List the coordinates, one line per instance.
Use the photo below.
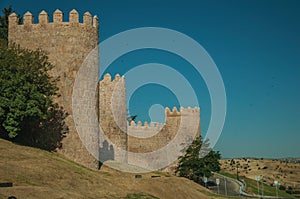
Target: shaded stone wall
(67, 44)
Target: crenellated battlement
(161, 131)
(107, 79)
(43, 19)
(183, 111)
(145, 138)
(156, 125)
(145, 130)
(145, 125)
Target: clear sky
(255, 45)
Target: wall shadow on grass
(106, 152)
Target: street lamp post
(225, 186)
(237, 171)
(205, 181)
(276, 183)
(262, 186)
(218, 183)
(257, 181)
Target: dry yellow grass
(40, 174)
(288, 174)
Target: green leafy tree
(26, 89)
(193, 166)
(27, 112)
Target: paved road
(233, 188)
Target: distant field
(286, 173)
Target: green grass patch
(228, 174)
(251, 187)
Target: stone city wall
(145, 138)
(67, 44)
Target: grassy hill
(40, 174)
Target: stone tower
(113, 119)
(67, 44)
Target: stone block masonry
(67, 44)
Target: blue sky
(255, 45)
